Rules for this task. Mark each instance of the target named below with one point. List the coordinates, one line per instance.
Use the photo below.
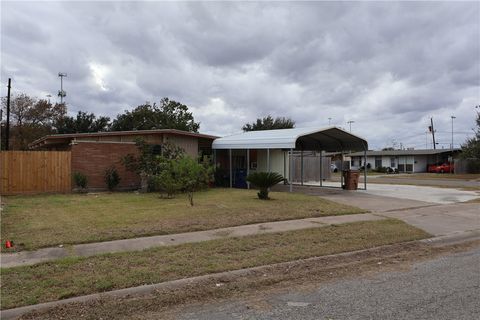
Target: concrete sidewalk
(84, 250)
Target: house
(93, 153)
(408, 161)
(282, 151)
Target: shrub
(264, 181)
(184, 175)
(80, 180)
(148, 163)
(112, 179)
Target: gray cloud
(389, 67)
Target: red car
(440, 168)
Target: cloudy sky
(388, 67)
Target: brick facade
(93, 158)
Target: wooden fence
(29, 172)
(463, 166)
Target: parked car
(391, 170)
(440, 168)
(333, 168)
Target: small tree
(471, 147)
(148, 163)
(185, 175)
(112, 178)
(264, 181)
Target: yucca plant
(264, 181)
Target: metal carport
(330, 139)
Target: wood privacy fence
(467, 166)
(29, 172)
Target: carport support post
(248, 167)
(365, 170)
(301, 167)
(268, 160)
(230, 166)
(290, 171)
(321, 167)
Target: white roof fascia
(268, 139)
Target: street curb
(178, 284)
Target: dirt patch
(304, 273)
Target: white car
(333, 168)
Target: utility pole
(432, 130)
(7, 128)
(62, 94)
(350, 123)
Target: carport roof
(328, 139)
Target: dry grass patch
(47, 220)
(79, 276)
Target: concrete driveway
(439, 211)
(421, 193)
(441, 220)
(409, 192)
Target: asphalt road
(444, 288)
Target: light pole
(453, 117)
(62, 94)
(350, 123)
(329, 121)
(48, 96)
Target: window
(378, 162)
(392, 162)
(156, 149)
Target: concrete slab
(421, 193)
(441, 220)
(364, 200)
(408, 192)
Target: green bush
(80, 180)
(184, 175)
(263, 181)
(112, 179)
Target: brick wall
(93, 158)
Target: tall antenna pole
(62, 94)
(7, 129)
(453, 117)
(432, 129)
(350, 123)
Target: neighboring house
(404, 160)
(93, 153)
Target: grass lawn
(47, 220)
(79, 276)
